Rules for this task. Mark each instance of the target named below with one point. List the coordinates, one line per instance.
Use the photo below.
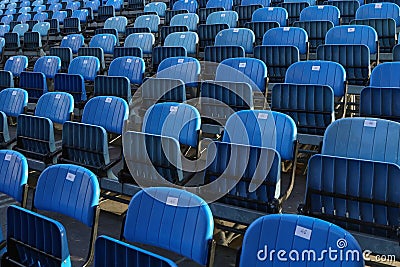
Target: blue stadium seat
(237, 36)
(48, 65)
(71, 26)
(101, 115)
(385, 75)
(60, 16)
(4, 29)
(249, 70)
(119, 23)
(277, 65)
(16, 65)
(24, 17)
(13, 101)
(186, 69)
(223, 17)
(347, 9)
(107, 42)
(188, 40)
(203, 13)
(12, 44)
(158, 90)
(118, 5)
(379, 102)
(324, 13)
(188, 20)
(194, 239)
(55, 7)
(158, 7)
(131, 67)
(6, 79)
(149, 21)
(169, 14)
(260, 28)
(225, 4)
(207, 34)
(81, 15)
(86, 66)
(35, 134)
(65, 55)
(245, 13)
(96, 52)
(379, 10)
(316, 32)
(297, 233)
(41, 16)
(318, 72)
(112, 252)
(163, 52)
(14, 175)
(73, 84)
(128, 51)
(292, 36)
(294, 9)
(104, 13)
(42, 28)
(20, 29)
(166, 30)
(34, 83)
(189, 5)
(113, 86)
(145, 41)
(217, 54)
(270, 14)
(7, 19)
(73, 41)
(51, 243)
(263, 3)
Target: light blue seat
(105, 41)
(223, 17)
(145, 41)
(48, 65)
(39, 8)
(86, 66)
(73, 41)
(263, 3)
(193, 240)
(190, 20)
(20, 29)
(23, 17)
(277, 14)
(379, 10)
(189, 5)
(13, 101)
(4, 29)
(225, 4)
(16, 65)
(318, 72)
(115, 3)
(81, 15)
(188, 40)
(158, 7)
(7, 19)
(318, 13)
(186, 69)
(238, 36)
(288, 36)
(249, 70)
(42, 28)
(60, 16)
(297, 233)
(41, 16)
(385, 75)
(148, 21)
(119, 23)
(131, 67)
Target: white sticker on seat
(185, 17)
(173, 109)
(172, 201)
(286, 29)
(65, 38)
(18, 59)
(14, 93)
(156, 4)
(108, 100)
(181, 60)
(370, 123)
(129, 60)
(378, 5)
(58, 96)
(223, 15)
(316, 68)
(104, 37)
(70, 177)
(262, 116)
(235, 30)
(116, 19)
(147, 18)
(48, 60)
(85, 61)
(183, 36)
(270, 9)
(320, 7)
(351, 29)
(186, 1)
(140, 36)
(8, 157)
(303, 232)
(73, 38)
(242, 65)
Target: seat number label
(172, 201)
(303, 232)
(70, 177)
(7, 157)
(369, 123)
(316, 68)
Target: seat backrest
(264, 129)
(238, 36)
(16, 64)
(113, 86)
(157, 90)
(73, 41)
(380, 103)
(6, 79)
(108, 112)
(23, 17)
(207, 33)
(386, 75)
(318, 72)
(57, 106)
(180, 121)
(225, 17)
(220, 53)
(150, 21)
(379, 10)
(188, 40)
(42, 28)
(190, 20)
(264, 3)
(112, 252)
(71, 83)
(48, 65)
(118, 23)
(190, 5)
(13, 101)
(144, 41)
(50, 239)
(4, 29)
(363, 138)
(226, 4)
(191, 228)
(287, 36)
(60, 16)
(65, 55)
(250, 70)
(158, 7)
(329, 13)
(131, 67)
(20, 29)
(13, 174)
(87, 66)
(186, 69)
(32, 40)
(41, 16)
(105, 41)
(278, 14)
(297, 233)
(353, 34)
